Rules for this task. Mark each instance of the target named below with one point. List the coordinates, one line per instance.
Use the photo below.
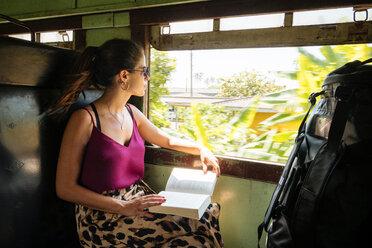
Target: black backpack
(324, 196)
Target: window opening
(56, 38)
(241, 102)
(252, 22)
(329, 16)
(191, 26)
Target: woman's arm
(75, 139)
(157, 137)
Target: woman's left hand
(207, 157)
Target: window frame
(155, 18)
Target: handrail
(19, 23)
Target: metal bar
(21, 24)
(53, 24)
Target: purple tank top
(108, 165)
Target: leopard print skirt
(99, 229)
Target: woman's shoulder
(82, 116)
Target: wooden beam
(330, 34)
(237, 167)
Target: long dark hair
(97, 66)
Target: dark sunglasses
(145, 70)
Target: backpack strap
(284, 177)
(97, 117)
(323, 164)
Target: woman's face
(138, 78)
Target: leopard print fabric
(99, 229)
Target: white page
(191, 181)
(183, 200)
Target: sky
(226, 62)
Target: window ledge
(232, 166)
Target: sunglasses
(145, 70)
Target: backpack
(324, 196)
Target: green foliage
(245, 84)
(161, 68)
(230, 132)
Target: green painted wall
(102, 27)
(243, 204)
(36, 9)
(96, 37)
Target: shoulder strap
(90, 115)
(97, 117)
(129, 110)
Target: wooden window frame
(155, 18)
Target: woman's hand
(207, 157)
(138, 205)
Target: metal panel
(30, 212)
(33, 64)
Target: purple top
(108, 165)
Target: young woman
(101, 160)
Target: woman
(101, 160)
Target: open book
(187, 193)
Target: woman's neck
(114, 100)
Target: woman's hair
(97, 66)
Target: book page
(183, 200)
(191, 181)
(183, 204)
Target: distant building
(179, 98)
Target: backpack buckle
(313, 96)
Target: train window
(190, 27)
(328, 16)
(252, 22)
(241, 102)
(61, 36)
(246, 102)
(57, 38)
(21, 36)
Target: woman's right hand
(138, 205)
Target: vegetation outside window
(240, 108)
